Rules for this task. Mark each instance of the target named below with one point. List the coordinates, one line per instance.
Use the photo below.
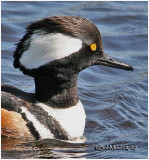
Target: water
(115, 101)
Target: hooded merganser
(53, 51)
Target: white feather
(72, 119)
(45, 48)
(42, 130)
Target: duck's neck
(58, 90)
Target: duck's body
(39, 120)
(12, 122)
(53, 51)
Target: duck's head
(62, 42)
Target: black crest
(70, 25)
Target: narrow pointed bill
(110, 62)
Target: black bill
(110, 62)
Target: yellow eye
(93, 46)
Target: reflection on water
(115, 101)
(47, 148)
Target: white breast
(44, 48)
(72, 119)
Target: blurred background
(115, 101)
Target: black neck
(57, 89)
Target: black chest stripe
(30, 125)
(48, 121)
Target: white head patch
(48, 47)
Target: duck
(54, 50)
